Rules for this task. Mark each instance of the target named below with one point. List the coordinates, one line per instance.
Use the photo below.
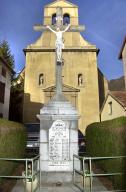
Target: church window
(66, 19)
(1, 115)
(80, 79)
(3, 72)
(2, 92)
(54, 19)
(110, 108)
(41, 79)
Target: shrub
(12, 144)
(108, 138)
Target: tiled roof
(120, 96)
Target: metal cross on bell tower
(58, 114)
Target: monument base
(45, 166)
(58, 135)
(48, 178)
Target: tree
(16, 101)
(5, 52)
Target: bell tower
(69, 10)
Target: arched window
(41, 79)
(66, 19)
(80, 79)
(54, 19)
(110, 108)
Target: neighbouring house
(122, 56)
(114, 105)
(5, 84)
(115, 102)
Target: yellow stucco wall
(124, 53)
(79, 56)
(124, 62)
(117, 109)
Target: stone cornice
(69, 49)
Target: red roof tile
(120, 96)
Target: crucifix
(59, 44)
(58, 29)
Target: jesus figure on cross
(59, 44)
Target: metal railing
(26, 175)
(86, 162)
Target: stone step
(48, 178)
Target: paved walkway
(64, 187)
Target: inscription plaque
(58, 144)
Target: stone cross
(59, 17)
(59, 29)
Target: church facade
(5, 85)
(82, 81)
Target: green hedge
(12, 144)
(108, 138)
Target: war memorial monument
(58, 118)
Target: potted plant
(86, 178)
(30, 183)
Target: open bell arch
(53, 18)
(66, 19)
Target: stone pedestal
(58, 135)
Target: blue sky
(105, 22)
